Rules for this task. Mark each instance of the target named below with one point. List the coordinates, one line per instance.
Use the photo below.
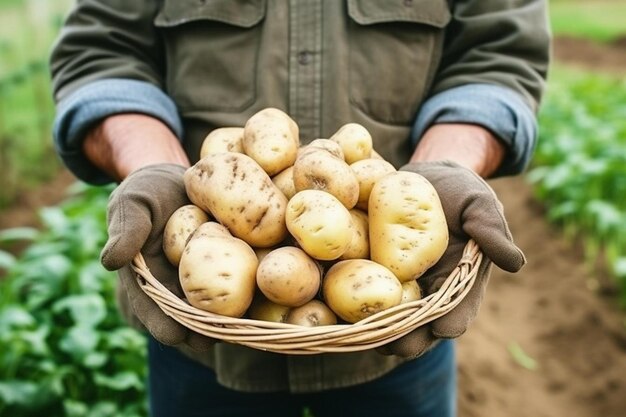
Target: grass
(602, 20)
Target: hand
(472, 211)
(137, 213)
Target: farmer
(448, 89)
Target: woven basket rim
(374, 331)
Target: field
(549, 341)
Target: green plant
(65, 349)
(579, 169)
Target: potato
(321, 225)
(288, 276)
(284, 181)
(271, 138)
(331, 146)
(224, 139)
(312, 314)
(266, 310)
(410, 291)
(408, 229)
(218, 274)
(240, 195)
(359, 247)
(210, 229)
(318, 169)
(355, 141)
(357, 288)
(179, 227)
(367, 172)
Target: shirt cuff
(89, 104)
(493, 107)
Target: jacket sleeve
(107, 60)
(501, 42)
(103, 39)
(492, 73)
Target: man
(140, 84)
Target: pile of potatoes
(307, 234)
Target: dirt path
(576, 336)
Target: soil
(560, 313)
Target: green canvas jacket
(326, 63)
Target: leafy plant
(580, 163)
(65, 349)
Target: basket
(374, 331)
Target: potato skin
(408, 229)
(321, 225)
(318, 169)
(284, 181)
(367, 172)
(179, 227)
(266, 310)
(288, 276)
(218, 274)
(240, 195)
(358, 288)
(223, 139)
(355, 141)
(271, 138)
(312, 314)
(359, 247)
(330, 145)
(411, 291)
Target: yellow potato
(179, 227)
(330, 145)
(359, 247)
(321, 225)
(271, 138)
(312, 314)
(284, 181)
(218, 274)
(410, 291)
(318, 169)
(357, 288)
(367, 172)
(266, 310)
(288, 276)
(408, 229)
(224, 139)
(240, 195)
(355, 141)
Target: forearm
(469, 145)
(121, 144)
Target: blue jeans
(424, 387)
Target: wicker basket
(374, 331)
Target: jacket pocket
(395, 48)
(211, 52)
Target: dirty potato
(240, 195)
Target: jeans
(424, 387)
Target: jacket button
(305, 57)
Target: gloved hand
(137, 213)
(472, 211)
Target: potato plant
(579, 168)
(66, 351)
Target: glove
(473, 211)
(136, 215)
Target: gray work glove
(472, 211)
(137, 213)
